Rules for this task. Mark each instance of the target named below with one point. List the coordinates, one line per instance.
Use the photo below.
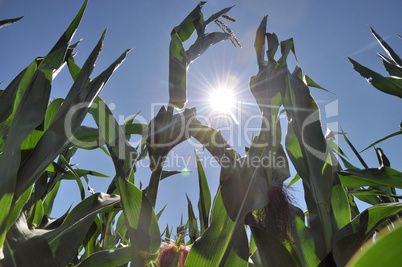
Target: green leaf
(304, 243)
(340, 205)
(387, 85)
(164, 132)
(210, 248)
(179, 59)
(41, 157)
(204, 202)
(49, 200)
(60, 244)
(108, 258)
(29, 115)
(192, 222)
(387, 48)
(36, 214)
(271, 250)
(307, 149)
(286, 47)
(391, 67)
(388, 243)
(383, 139)
(11, 97)
(6, 22)
(294, 180)
(384, 176)
(31, 141)
(160, 213)
(351, 237)
(354, 150)
(211, 139)
(309, 82)
(18, 207)
(141, 222)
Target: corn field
(250, 221)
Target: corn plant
(120, 226)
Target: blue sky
(325, 34)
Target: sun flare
(222, 100)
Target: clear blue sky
(324, 32)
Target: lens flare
(222, 100)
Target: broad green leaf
(164, 132)
(31, 141)
(27, 248)
(210, 248)
(387, 85)
(211, 139)
(91, 242)
(11, 96)
(179, 59)
(66, 239)
(370, 192)
(108, 258)
(58, 246)
(204, 202)
(190, 23)
(307, 149)
(340, 205)
(309, 82)
(141, 222)
(351, 237)
(388, 244)
(89, 137)
(244, 186)
(29, 115)
(15, 213)
(286, 47)
(41, 157)
(271, 250)
(56, 56)
(391, 67)
(36, 214)
(6, 22)
(384, 176)
(304, 243)
(203, 43)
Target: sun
(222, 100)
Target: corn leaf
(388, 244)
(308, 151)
(387, 48)
(383, 139)
(204, 202)
(58, 245)
(351, 237)
(271, 250)
(192, 222)
(6, 22)
(387, 85)
(384, 176)
(210, 248)
(108, 258)
(41, 157)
